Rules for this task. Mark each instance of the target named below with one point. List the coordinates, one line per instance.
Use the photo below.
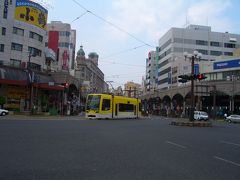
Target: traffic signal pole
(191, 116)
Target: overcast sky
(122, 50)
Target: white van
(200, 115)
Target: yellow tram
(108, 106)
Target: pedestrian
(225, 116)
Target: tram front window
(93, 102)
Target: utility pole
(192, 57)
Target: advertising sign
(32, 13)
(226, 64)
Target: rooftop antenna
(186, 23)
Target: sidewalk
(41, 117)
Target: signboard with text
(226, 64)
(32, 13)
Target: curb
(192, 124)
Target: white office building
(176, 41)
(22, 34)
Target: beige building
(132, 89)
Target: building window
(228, 53)
(17, 47)
(35, 51)
(1, 47)
(201, 42)
(229, 45)
(18, 31)
(216, 44)
(35, 36)
(215, 53)
(3, 31)
(15, 62)
(64, 33)
(205, 52)
(5, 9)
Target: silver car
(233, 118)
(3, 112)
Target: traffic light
(183, 78)
(201, 77)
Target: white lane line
(231, 143)
(175, 144)
(227, 161)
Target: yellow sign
(32, 13)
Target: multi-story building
(88, 73)
(62, 40)
(151, 71)
(176, 41)
(132, 89)
(22, 34)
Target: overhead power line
(113, 25)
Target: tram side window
(126, 107)
(140, 107)
(106, 104)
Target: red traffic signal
(201, 77)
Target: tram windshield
(93, 102)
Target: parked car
(3, 112)
(233, 118)
(200, 115)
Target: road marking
(227, 161)
(175, 144)
(226, 142)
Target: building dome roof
(93, 55)
(81, 51)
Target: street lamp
(192, 57)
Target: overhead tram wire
(80, 16)
(111, 24)
(134, 65)
(124, 51)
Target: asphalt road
(147, 149)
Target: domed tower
(94, 57)
(80, 54)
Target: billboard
(226, 64)
(32, 13)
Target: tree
(2, 101)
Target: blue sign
(226, 64)
(196, 68)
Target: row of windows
(205, 52)
(64, 33)
(65, 45)
(20, 32)
(35, 51)
(35, 36)
(163, 63)
(165, 80)
(32, 50)
(165, 54)
(205, 43)
(165, 71)
(19, 47)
